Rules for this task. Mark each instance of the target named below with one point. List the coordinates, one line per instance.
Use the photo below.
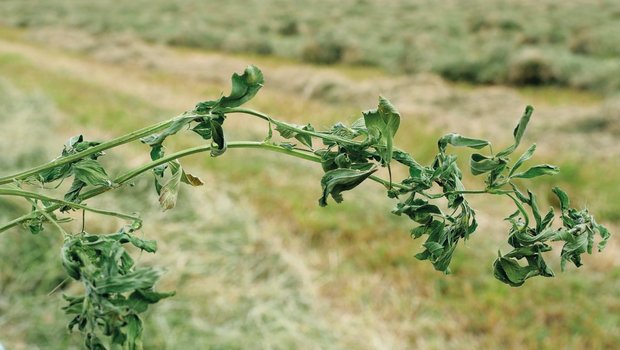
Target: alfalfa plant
(116, 291)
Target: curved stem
(122, 179)
(49, 218)
(521, 209)
(290, 126)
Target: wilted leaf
(524, 157)
(336, 181)
(90, 172)
(481, 164)
(383, 122)
(191, 179)
(460, 141)
(518, 131)
(510, 272)
(288, 131)
(203, 128)
(219, 142)
(538, 170)
(170, 189)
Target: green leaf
(138, 279)
(524, 157)
(518, 132)
(383, 122)
(481, 164)
(219, 142)
(74, 145)
(92, 342)
(134, 332)
(140, 299)
(460, 141)
(244, 87)
(203, 128)
(147, 245)
(510, 272)
(56, 173)
(91, 173)
(336, 181)
(538, 170)
(605, 235)
(563, 197)
(176, 126)
(418, 210)
(288, 130)
(576, 243)
(73, 193)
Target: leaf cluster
(116, 292)
(86, 171)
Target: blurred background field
(255, 262)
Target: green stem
(101, 147)
(49, 218)
(34, 195)
(521, 209)
(122, 179)
(289, 126)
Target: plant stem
(34, 195)
(521, 209)
(101, 147)
(122, 179)
(49, 218)
(290, 126)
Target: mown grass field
(516, 42)
(255, 262)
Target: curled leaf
(510, 272)
(518, 132)
(538, 170)
(244, 88)
(336, 181)
(481, 164)
(219, 142)
(170, 189)
(461, 141)
(383, 123)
